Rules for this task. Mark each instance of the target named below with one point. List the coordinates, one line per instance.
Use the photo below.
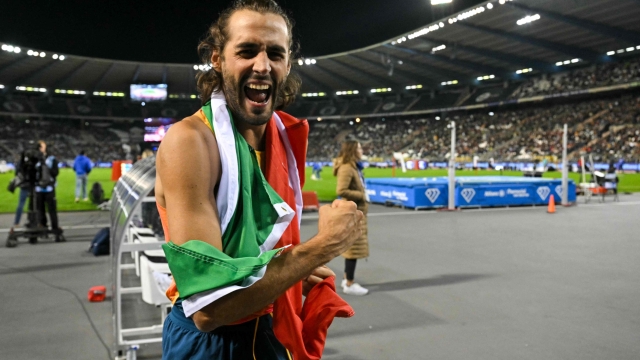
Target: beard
(234, 92)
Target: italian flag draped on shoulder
(258, 222)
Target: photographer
(46, 173)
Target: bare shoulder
(189, 149)
(186, 138)
(186, 131)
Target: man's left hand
(316, 277)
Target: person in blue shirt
(82, 167)
(317, 168)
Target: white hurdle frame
(452, 168)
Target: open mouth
(258, 93)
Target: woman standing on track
(348, 169)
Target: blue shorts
(251, 340)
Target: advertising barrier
(471, 191)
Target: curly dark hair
(217, 36)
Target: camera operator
(46, 173)
(25, 181)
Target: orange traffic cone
(552, 205)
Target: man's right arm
(188, 166)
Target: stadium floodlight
(319, 119)
(30, 52)
(350, 122)
(320, 94)
(440, 2)
(380, 90)
(195, 67)
(61, 57)
(347, 92)
(1, 86)
(43, 54)
(489, 6)
(638, 47)
(630, 49)
(611, 53)
(467, 14)
(16, 50)
(357, 120)
(437, 118)
(573, 61)
(438, 48)
(528, 19)
(300, 62)
(313, 61)
(55, 56)
(620, 51)
(524, 71)
(421, 32)
(307, 62)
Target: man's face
(254, 65)
(43, 148)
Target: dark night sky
(168, 31)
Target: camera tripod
(33, 230)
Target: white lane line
(71, 227)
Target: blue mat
(471, 191)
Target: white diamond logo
(432, 194)
(543, 192)
(559, 190)
(468, 194)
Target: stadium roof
(482, 44)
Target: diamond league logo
(432, 194)
(543, 192)
(468, 194)
(559, 190)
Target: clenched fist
(339, 226)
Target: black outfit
(46, 178)
(48, 199)
(350, 268)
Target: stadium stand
(580, 79)
(605, 128)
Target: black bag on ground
(97, 193)
(100, 243)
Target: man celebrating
(228, 190)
